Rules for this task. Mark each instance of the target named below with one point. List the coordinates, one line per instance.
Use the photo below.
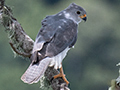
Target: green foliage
(90, 65)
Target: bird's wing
(43, 36)
(65, 36)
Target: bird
(56, 37)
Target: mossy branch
(22, 45)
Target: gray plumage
(57, 35)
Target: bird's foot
(61, 74)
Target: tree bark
(22, 45)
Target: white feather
(37, 45)
(57, 60)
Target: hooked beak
(84, 17)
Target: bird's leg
(61, 74)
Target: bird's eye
(78, 12)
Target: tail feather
(35, 71)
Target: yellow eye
(78, 12)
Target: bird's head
(76, 13)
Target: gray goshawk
(57, 35)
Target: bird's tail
(35, 71)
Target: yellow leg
(61, 74)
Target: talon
(61, 74)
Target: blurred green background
(90, 65)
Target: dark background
(91, 65)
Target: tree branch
(22, 45)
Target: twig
(18, 52)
